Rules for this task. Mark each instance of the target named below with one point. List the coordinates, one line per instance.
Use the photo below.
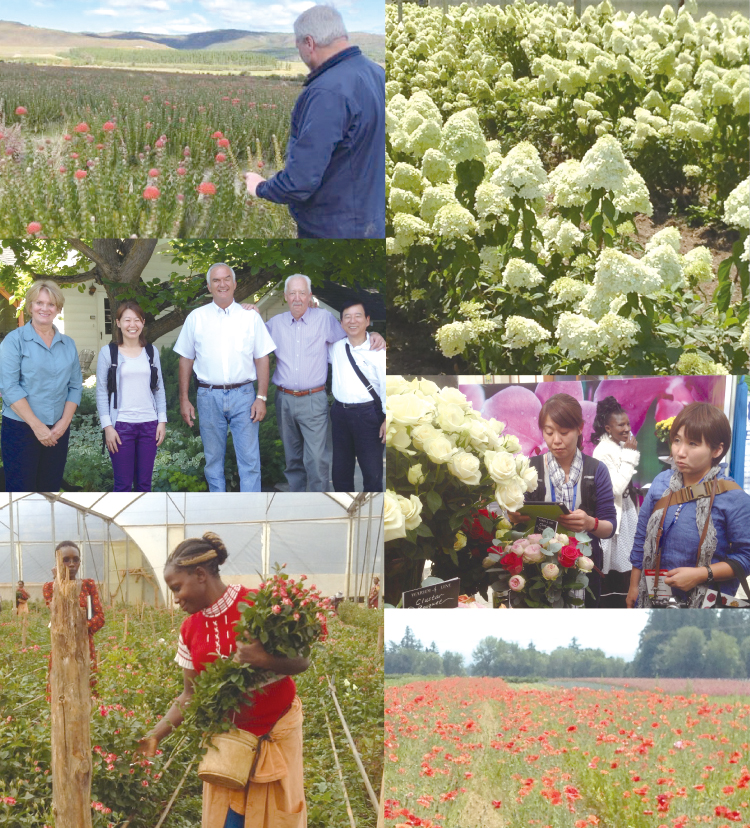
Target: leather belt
(224, 387)
(355, 405)
(688, 493)
(301, 393)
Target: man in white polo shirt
(358, 412)
(228, 349)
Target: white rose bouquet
(445, 461)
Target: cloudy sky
(184, 16)
(614, 631)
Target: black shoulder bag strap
(112, 375)
(588, 484)
(154, 372)
(540, 493)
(373, 393)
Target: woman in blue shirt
(40, 382)
(700, 436)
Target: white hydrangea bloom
(666, 261)
(633, 196)
(577, 335)
(745, 338)
(521, 332)
(455, 222)
(407, 177)
(436, 167)
(563, 181)
(692, 363)
(520, 274)
(492, 259)
(409, 230)
(452, 338)
(699, 132)
(521, 173)
(402, 201)
(737, 206)
(567, 289)
(562, 234)
(489, 200)
(617, 333)
(462, 137)
(616, 272)
(604, 166)
(697, 265)
(434, 198)
(595, 303)
(668, 235)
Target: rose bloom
(533, 553)
(217, 134)
(512, 562)
(223, 142)
(568, 556)
(550, 571)
(160, 142)
(33, 227)
(66, 138)
(83, 127)
(151, 193)
(276, 609)
(108, 126)
(207, 188)
(584, 564)
(21, 110)
(517, 583)
(220, 157)
(63, 169)
(153, 172)
(181, 171)
(80, 174)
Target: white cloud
(105, 12)
(186, 25)
(246, 14)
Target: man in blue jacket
(334, 178)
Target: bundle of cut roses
(288, 618)
(542, 570)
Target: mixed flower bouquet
(542, 570)
(288, 618)
(444, 458)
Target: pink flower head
(287, 602)
(261, 165)
(180, 197)
(82, 128)
(181, 171)
(74, 155)
(275, 609)
(296, 616)
(517, 583)
(66, 137)
(220, 157)
(151, 193)
(21, 110)
(153, 172)
(186, 152)
(303, 577)
(207, 188)
(80, 174)
(159, 143)
(217, 134)
(223, 142)
(100, 146)
(33, 227)
(108, 126)
(63, 169)
(148, 124)
(147, 98)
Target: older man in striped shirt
(302, 336)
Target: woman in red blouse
(192, 574)
(71, 556)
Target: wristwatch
(710, 574)
(261, 397)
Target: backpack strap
(688, 493)
(114, 353)
(154, 372)
(539, 494)
(588, 484)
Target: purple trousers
(133, 464)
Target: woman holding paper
(573, 479)
(89, 597)
(695, 535)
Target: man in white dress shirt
(228, 349)
(357, 417)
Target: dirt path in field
(478, 810)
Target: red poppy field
(479, 752)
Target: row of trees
(672, 645)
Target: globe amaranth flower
(667, 262)
(521, 332)
(455, 222)
(462, 138)
(434, 198)
(567, 289)
(436, 167)
(693, 363)
(604, 167)
(519, 274)
(577, 335)
(521, 173)
(737, 206)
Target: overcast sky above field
(184, 16)
(614, 631)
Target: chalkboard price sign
(436, 596)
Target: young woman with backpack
(131, 401)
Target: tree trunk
(70, 706)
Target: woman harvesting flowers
(274, 796)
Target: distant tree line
(196, 58)
(680, 644)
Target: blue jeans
(218, 411)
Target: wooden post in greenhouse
(400, 10)
(577, 7)
(381, 812)
(381, 636)
(70, 705)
